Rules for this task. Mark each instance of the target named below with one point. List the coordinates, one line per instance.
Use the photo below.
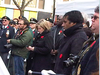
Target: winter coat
(20, 43)
(71, 44)
(42, 44)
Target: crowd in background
(45, 45)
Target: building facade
(34, 9)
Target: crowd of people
(68, 47)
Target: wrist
(32, 48)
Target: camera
(72, 60)
(8, 45)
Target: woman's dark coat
(42, 58)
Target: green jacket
(19, 44)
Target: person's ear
(72, 24)
(25, 25)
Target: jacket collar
(20, 32)
(73, 29)
(42, 34)
(4, 26)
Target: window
(41, 4)
(7, 2)
(65, 0)
(32, 3)
(18, 2)
(0, 2)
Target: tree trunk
(21, 12)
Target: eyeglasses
(20, 24)
(4, 20)
(94, 17)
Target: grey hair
(85, 16)
(97, 9)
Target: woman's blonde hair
(44, 24)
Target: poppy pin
(60, 55)
(60, 32)
(42, 36)
(7, 27)
(33, 32)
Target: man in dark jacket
(32, 24)
(6, 32)
(74, 37)
(57, 34)
(89, 64)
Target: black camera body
(72, 60)
(8, 45)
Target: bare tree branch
(22, 7)
(23, 2)
(27, 3)
(16, 4)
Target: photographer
(88, 63)
(74, 37)
(22, 39)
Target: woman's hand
(30, 48)
(8, 41)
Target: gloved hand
(47, 72)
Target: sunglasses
(94, 17)
(20, 24)
(4, 20)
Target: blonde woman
(42, 46)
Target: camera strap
(20, 33)
(81, 55)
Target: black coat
(43, 44)
(71, 44)
(4, 38)
(89, 62)
(57, 34)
